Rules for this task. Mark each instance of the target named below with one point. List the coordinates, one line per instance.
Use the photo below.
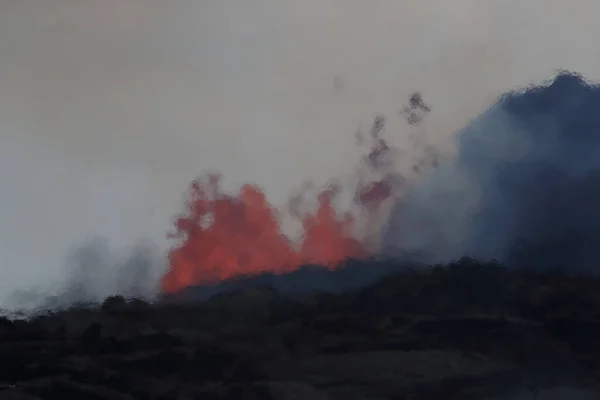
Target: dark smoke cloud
(524, 189)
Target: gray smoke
(95, 271)
(524, 188)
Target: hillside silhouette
(466, 330)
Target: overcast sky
(109, 108)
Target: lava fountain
(221, 235)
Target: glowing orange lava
(224, 236)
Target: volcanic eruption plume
(223, 235)
(522, 190)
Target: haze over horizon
(109, 109)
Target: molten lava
(224, 236)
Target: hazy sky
(108, 108)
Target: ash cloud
(524, 188)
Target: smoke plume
(523, 190)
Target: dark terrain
(463, 331)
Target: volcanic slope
(462, 331)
